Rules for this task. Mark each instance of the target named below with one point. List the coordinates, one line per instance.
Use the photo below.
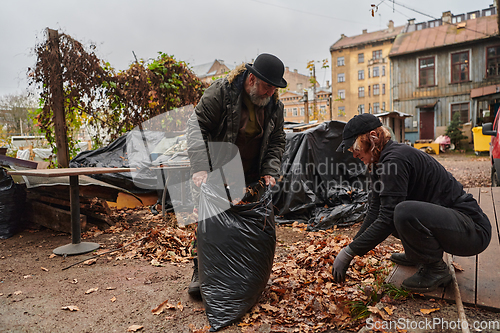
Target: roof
(446, 34)
(369, 37)
(202, 70)
(393, 113)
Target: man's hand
(200, 177)
(341, 264)
(270, 180)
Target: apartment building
(361, 73)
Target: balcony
(377, 61)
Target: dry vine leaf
(91, 290)
(427, 311)
(457, 267)
(71, 308)
(90, 261)
(179, 306)
(134, 328)
(162, 307)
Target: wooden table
(76, 246)
(479, 281)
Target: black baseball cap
(359, 124)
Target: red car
(493, 130)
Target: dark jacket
(218, 115)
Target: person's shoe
(400, 259)
(428, 278)
(194, 286)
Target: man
(417, 200)
(243, 109)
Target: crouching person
(417, 200)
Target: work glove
(341, 264)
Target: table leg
(76, 246)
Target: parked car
(493, 130)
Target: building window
(375, 71)
(493, 61)
(341, 77)
(377, 54)
(376, 89)
(426, 72)
(341, 111)
(294, 112)
(460, 67)
(368, 70)
(463, 109)
(361, 74)
(383, 106)
(369, 91)
(383, 70)
(383, 88)
(342, 94)
(376, 107)
(361, 108)
(456, 19)
(301, 111)
(361, 91)
(322, 109)
(340, 61)
(361, 58)
(284, 112)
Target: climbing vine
(108, 102)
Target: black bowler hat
(359, 124)
(268, 68)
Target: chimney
(342, 36)
(446, 18)
(391, 25)
(328, 83)
(295, 70)
(287, 69)
(411, 21)
(365, 31)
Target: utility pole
(306, 107)
(315, 110)
(56, 89)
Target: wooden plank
(488, 265)
(68, 171)
(51, 217)
(467, 278)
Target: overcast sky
(200, 31)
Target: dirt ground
(115, 293)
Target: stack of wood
(52, 210)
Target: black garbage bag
(235, 253)
(12, 198)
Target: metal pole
(75, 210)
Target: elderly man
(243, 109)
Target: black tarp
(317, 179)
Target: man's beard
(257, 99)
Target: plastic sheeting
(235, 253)
(11, 205)
(315, 176)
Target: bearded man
(242, 108)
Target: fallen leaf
(162, 307)
(27, 276)
(91, 290)
(113, 299)
(71, 308)
(74, 281)
(90, 261)
(53, 255)
(19, 292)
(130, 278)
(44, 269)
(134, 328)
(179, 306)
(269, 307)
(427, 311)
(156, 263)
(457, 267)
(110, 288)
(388, 310)
(374, 309)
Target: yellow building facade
(361, 73)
